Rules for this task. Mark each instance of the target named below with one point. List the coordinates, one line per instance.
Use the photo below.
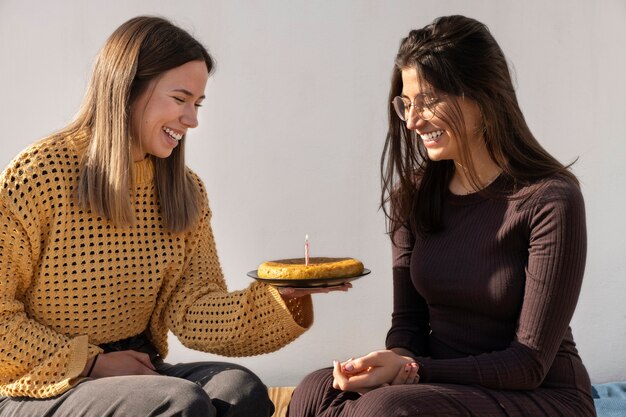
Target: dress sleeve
(35, 360)
(553, 279)
(410, 318)
(205, 316)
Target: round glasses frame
(423, 104)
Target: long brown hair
(459, 57)
(137, 52)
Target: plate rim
(313, 282)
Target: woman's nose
(414, 121)
(190, 116)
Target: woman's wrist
(418, 374)
(411, 363)
(91, 364)
(412, 369)
(420, 370)
(407, 372)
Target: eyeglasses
(424, 105)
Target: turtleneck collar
(143, 171)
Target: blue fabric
(610, 399)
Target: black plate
(307, 282)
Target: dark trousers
(202, 389)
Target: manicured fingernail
(349, 367)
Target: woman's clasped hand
(374, 370)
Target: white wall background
(294, 123)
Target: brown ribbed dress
(485, 306)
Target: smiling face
(162, 114)
(437, 135)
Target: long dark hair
(136, 53)
(457, 56)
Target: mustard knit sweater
(70, 280)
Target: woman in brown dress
(489, 245)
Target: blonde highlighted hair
(138, 51)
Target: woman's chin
(436, 155)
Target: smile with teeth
(431, 135)
(176, 136)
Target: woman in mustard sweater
(106, 244)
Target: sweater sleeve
(205, 316)
(410, 318)
(35, 360)
(554, 273)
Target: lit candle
(306, 250)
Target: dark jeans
(202, 389)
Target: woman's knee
(313, 393)
(237, 391)
(320, 380)
(186, 399)
(136, 396)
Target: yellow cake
(317, 268)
